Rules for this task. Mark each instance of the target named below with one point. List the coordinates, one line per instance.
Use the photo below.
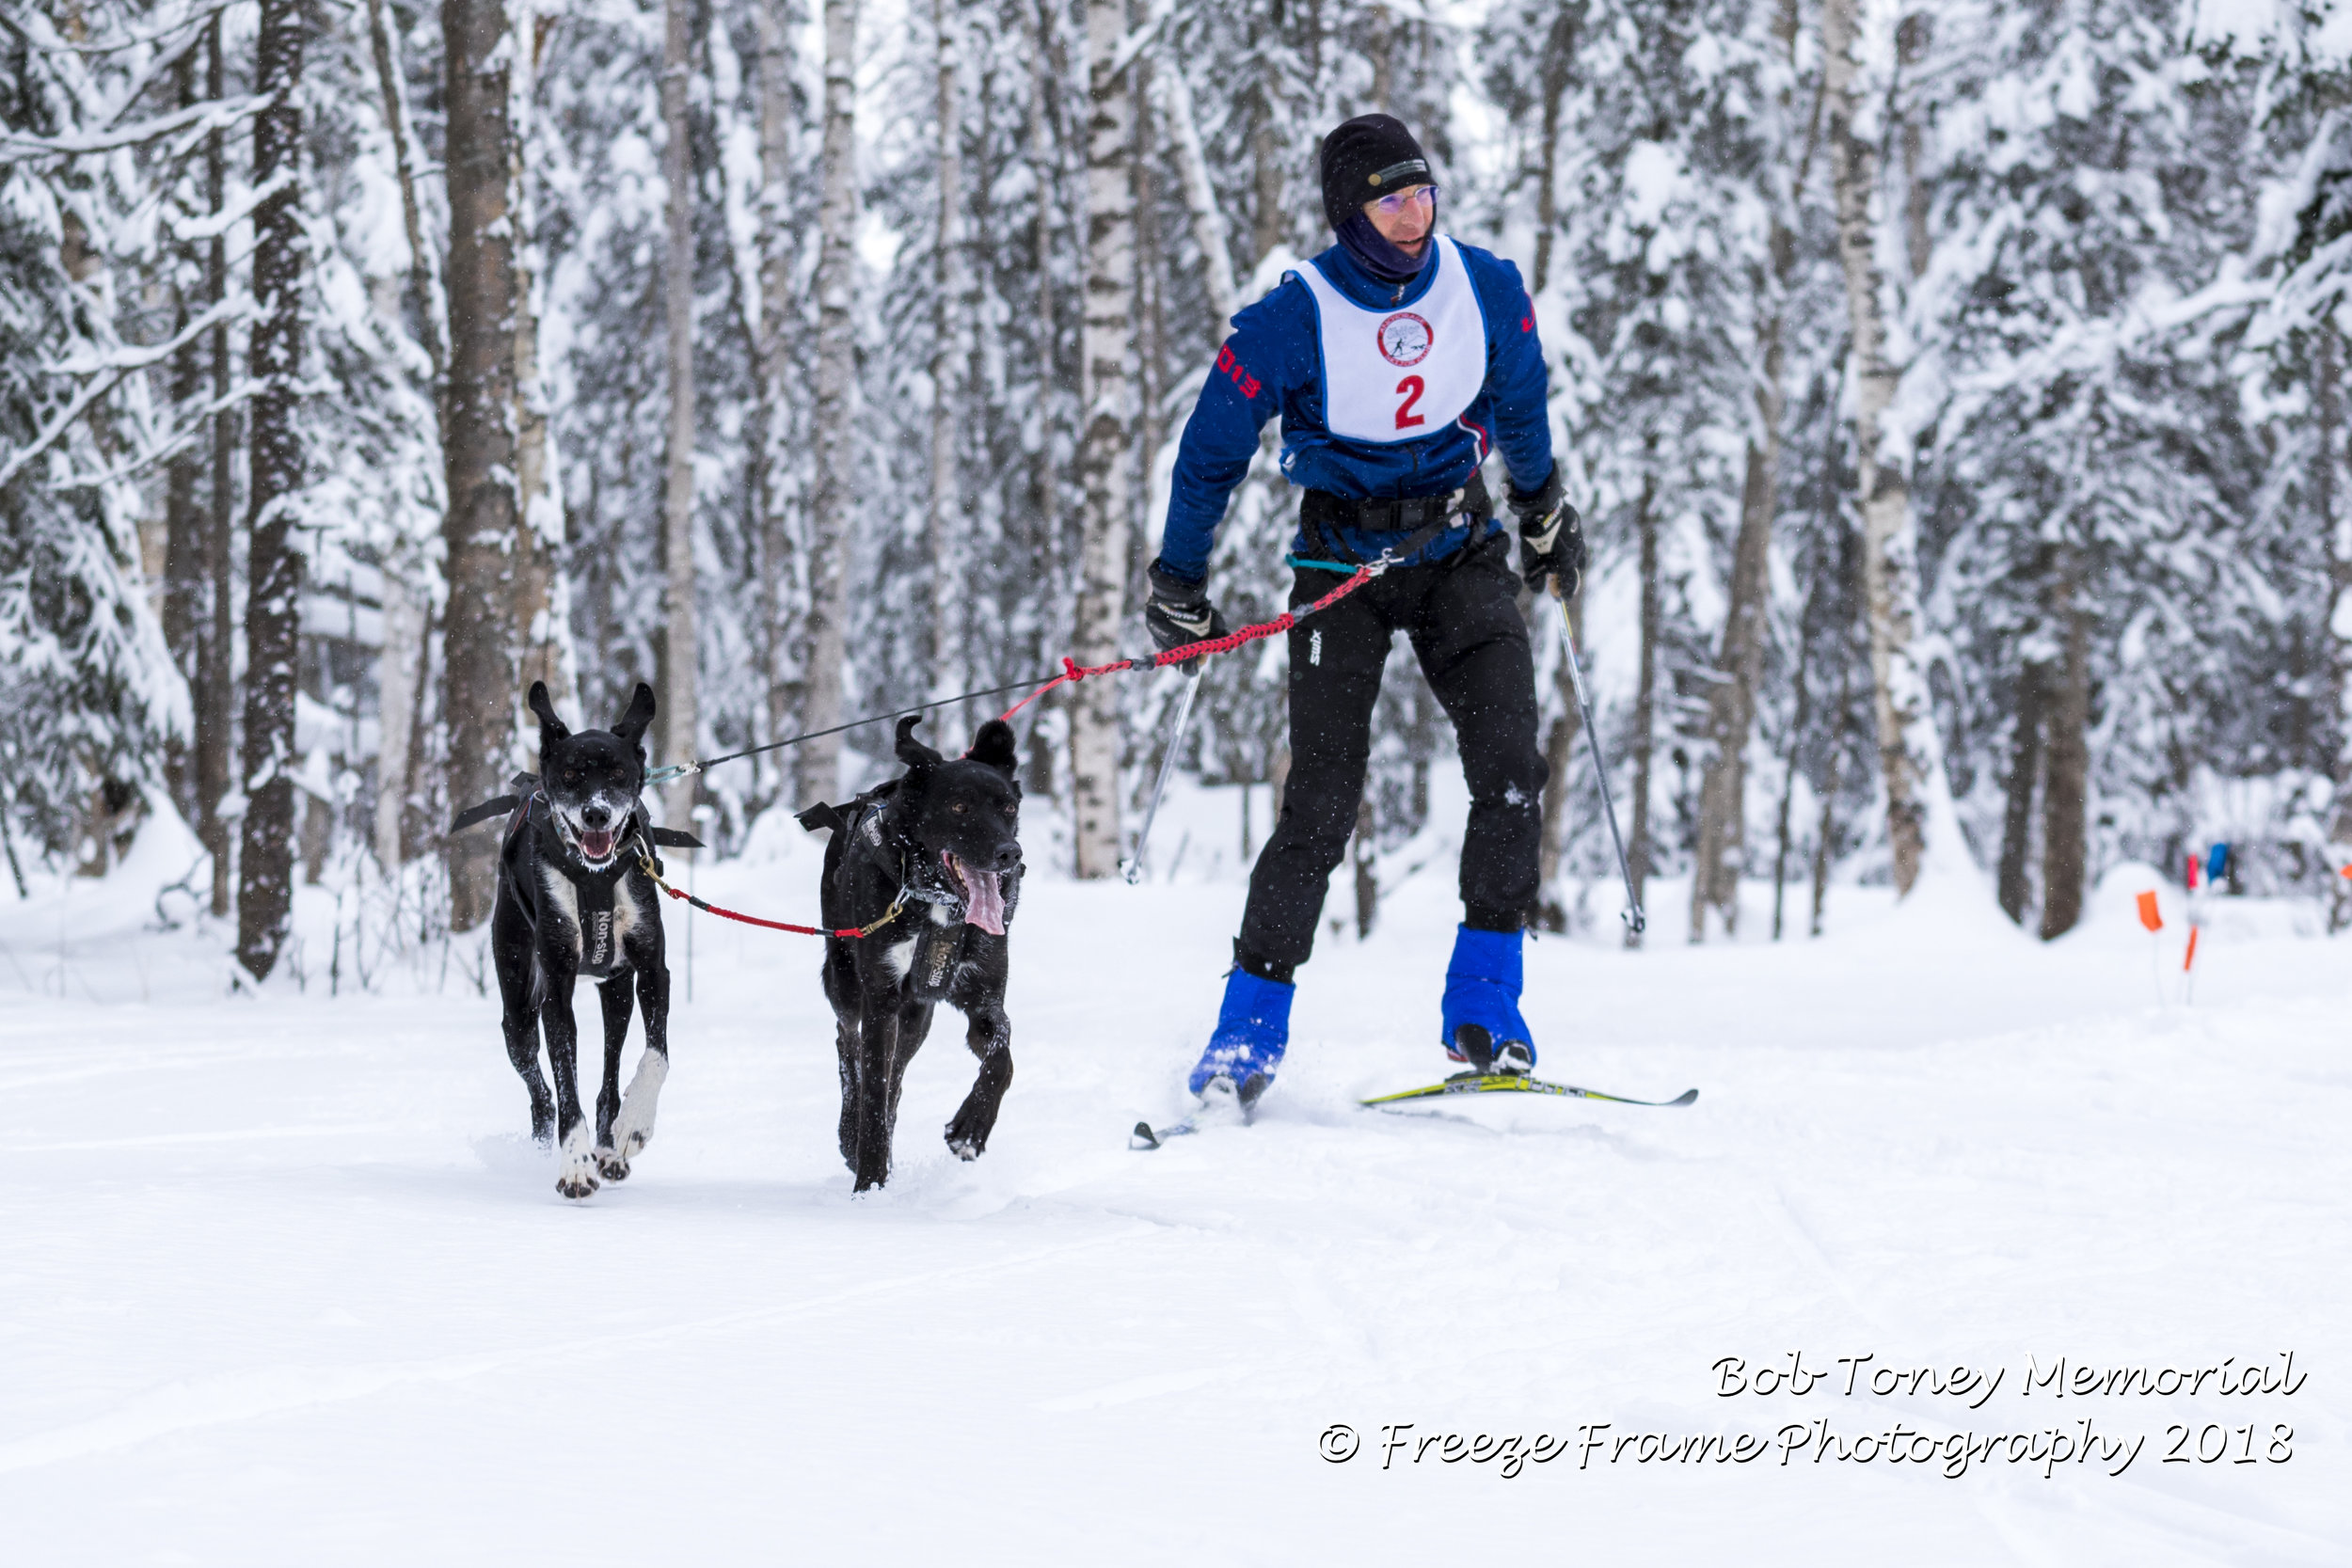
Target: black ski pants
(1462, 615)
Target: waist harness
(1323, 515)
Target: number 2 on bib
(1409, 389)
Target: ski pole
(1635, 919)
(1168, 765)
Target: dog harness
(861, 820)
(815, 817)
(594, 895)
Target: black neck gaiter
(1379, 257)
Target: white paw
(632, 1130)
(578, 1176)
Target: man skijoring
(1398, 359)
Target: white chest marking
(901, 958)
(561, 900)
(626, 912)
(1402, 373)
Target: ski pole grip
(1565, 618)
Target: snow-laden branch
(203, 119)
(109, 373)
(195, 426)
(204, 226)
(1137, 41)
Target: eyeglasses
(1420, 196)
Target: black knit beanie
(1367, 158)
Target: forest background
(1953, 394)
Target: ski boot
(1254, 1027)
(1482, 1023)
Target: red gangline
(1071, 671)
(707, 907)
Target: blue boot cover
(1481, 986)
(1252, 1028)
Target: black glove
(1551, 537)
(1179, 612)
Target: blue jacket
(1274, 361)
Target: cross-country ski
(1493, 1083)
(1145, 1135)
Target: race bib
(1400, 374)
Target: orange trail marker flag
(2153, 918)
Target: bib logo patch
(599, 933)
(1406, 338)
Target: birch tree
(681, 652)
(773, 338)
(406, 602)
(836, 399)
(1906, 741)
(1107, 455)
(542, 598)
(949, 351)
(1048, 466)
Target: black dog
(938, 846)
(573, 901)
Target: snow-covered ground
(283, 1281)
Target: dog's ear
(910, 751)
(994, 746)
(630, 727)
(550, 727)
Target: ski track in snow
(283, 1281)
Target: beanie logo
(1406, 338)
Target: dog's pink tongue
(596, 846)
(984, 901)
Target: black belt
(1322, 511)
